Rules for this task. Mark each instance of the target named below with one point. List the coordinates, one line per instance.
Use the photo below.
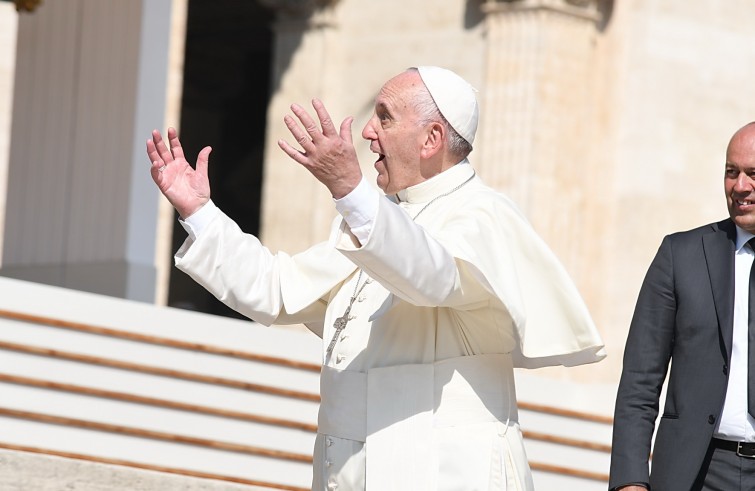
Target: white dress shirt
(735, 423)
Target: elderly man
(425, 298)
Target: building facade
(605, 121)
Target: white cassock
(418, 392)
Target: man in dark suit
(692, 311)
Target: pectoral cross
(340, 323)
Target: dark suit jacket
(684, 315)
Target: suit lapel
(719, 258)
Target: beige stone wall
(8, 28)
(679, 89)
(541, 121)
(628, 123)
(343, 58)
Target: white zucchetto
(455, 99)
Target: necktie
(751, 339)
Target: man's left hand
(328, 154)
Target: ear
(434, 140)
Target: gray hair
(428, 112)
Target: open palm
(187, 189)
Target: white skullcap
(455, 99)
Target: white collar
(438, 184)
(742, 237)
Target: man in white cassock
(426, 295)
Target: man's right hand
(186, 189)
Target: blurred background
(606, 121)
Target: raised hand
(328, 154)
(186, 189)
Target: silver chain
(444, 195)
(340, 323)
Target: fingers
(310, 138)
(313, 132)
(154, 157)
(300, 136)
(328, 129)
(162, 149)
(158, 164)
(307, 121)
(175, 145)
(292, 152)
(158, 152)
(203, 160)
(345, 131)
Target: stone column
(296, 208)
(90, 86)
(538, 115)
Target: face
(395, 135)
(739, 180)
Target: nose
(369, 133)
(743, 184)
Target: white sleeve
(405, 259)
(243, 274)
(359, 209)
(198, 221)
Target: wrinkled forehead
(398, 92)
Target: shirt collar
(438, 184)
(742, 237)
